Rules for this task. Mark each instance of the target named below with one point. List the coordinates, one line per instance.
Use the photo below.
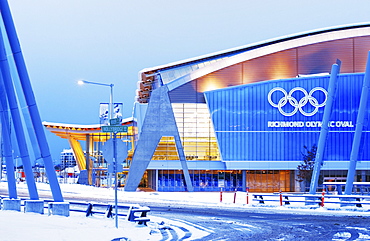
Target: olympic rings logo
(298, 105)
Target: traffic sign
(114, 121)
(108, 151)
(114, 129)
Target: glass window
(196, 130)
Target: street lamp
(82, 82)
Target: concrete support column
(58, 208)
(244, 180)
(87, 160)
(34, 206)
(12, 204)
(156, 180)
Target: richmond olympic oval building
(245, 115)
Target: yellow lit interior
(196, 132)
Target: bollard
(12, 204)
(281, 199)
(58, 208)
(221, 196)
(34, 206)
(322, 198)
(247, 190)
(235, 196)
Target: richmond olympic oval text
(308, 124)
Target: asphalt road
(265, 224)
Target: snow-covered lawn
(31, 226)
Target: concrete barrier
(34, 206)
(350, 202)
(12, 204)
(58, 208)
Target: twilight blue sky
(110, 41)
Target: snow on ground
(29, 226)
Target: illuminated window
(196, 131)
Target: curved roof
(179, 73)
(237, 50)
(78, 131)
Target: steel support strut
(18, 127)
(30, 99)
(358, 131)
(325, 126)
(7, 148)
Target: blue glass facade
(274, 120)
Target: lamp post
(81, 82)
(110, 109)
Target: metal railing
(132, 212)
(320, 200)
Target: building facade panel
(318, 58)
(361, 48)
(223, 78)
(186, 93)
(273, 129)
(278, 65)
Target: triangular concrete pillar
(159, 121)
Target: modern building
(245, 115)
(242, 117)
(67, 159)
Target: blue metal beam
(358, 131)
(13, 105)
(30, 100)
(325, 127)
(7, 148)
